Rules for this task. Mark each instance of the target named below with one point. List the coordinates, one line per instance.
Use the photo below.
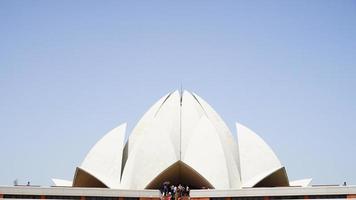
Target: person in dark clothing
(165, 188)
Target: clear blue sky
(72, 70)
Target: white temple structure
(181, 139)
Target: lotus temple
(183, 140)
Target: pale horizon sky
(70, 71)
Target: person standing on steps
(172, 192)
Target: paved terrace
(43, 192)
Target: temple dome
(181, 139)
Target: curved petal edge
(257, 159)
(104, 160)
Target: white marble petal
(105, 158)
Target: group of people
(175, 192)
